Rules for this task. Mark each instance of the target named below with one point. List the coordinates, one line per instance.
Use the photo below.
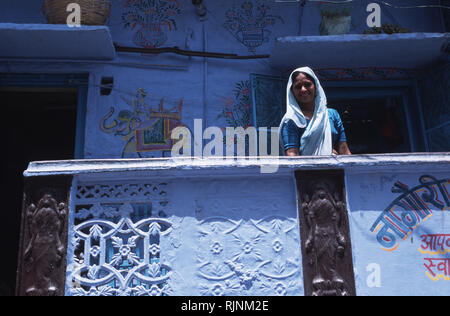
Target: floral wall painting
(143, 128)
(249, 24)
(238, 109)
(150, 20)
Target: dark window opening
(374, 125)
(39, 124)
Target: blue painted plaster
(46, 41)
(401, 269)
(223, 214)
(207, 87)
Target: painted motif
(413, 207)
(238, 109)
(437, 268)
(151, 19)
(143, 129)
(436, 245)
(250, 23)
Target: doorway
(40, 124)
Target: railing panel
(114, 239)
(221, 227)
(184, 237)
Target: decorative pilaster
(325, 235)
(43, 240)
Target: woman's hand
(342, 149)
(292, 152)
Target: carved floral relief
(248, 257)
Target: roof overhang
(55, 41)
(406, 50)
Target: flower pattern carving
(248, 257)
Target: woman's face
(304, 89)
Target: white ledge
(237, 166)
(56, 41)
(405, 50)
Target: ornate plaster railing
(196, 226)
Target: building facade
(118, 91)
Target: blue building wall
(216, 91)
(397, 244)
(226, 229)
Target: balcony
(336, 225)
(374, 50)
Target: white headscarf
(316, 140)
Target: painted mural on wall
(142, 127)
(151, 20)
(400, 232)
(237, 111)
(409, 210)
(437, 262)
(250, 23)
(238, 108)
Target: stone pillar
(43, 237)
(325, 235)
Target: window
(379, 116)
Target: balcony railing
(222, 227)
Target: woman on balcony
(309, 128)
